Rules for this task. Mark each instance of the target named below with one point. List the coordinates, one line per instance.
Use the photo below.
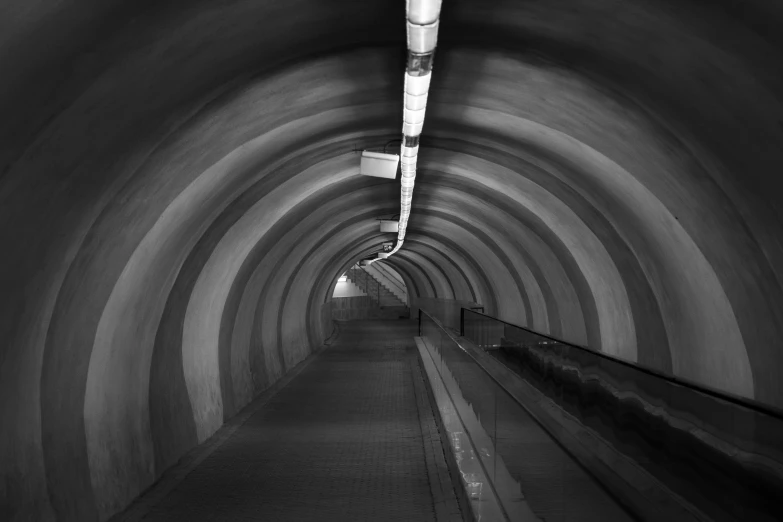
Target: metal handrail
(377, 297)
(362, 279)
(392, 278)
(373, 291)
(718, 394)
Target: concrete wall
(179, 193)
(351, 308)
(359, 307)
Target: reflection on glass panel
(525, 465)
(723, 454)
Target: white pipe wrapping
(423, 12)
(422, 31)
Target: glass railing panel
(721, 453)
(521, 458)
(477, 387)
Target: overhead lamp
(379, 164)
(390, 225)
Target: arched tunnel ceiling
(180, 192)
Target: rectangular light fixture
(379, 164)
(390, 225)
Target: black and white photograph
(391, 260)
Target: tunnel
(180, 193)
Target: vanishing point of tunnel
(180, 193)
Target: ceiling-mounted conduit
(422, 24)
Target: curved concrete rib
(177, 207)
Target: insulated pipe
(422, 26)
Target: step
(378, 290)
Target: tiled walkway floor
(342, 441)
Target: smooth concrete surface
(179, 192)
(357, 308)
